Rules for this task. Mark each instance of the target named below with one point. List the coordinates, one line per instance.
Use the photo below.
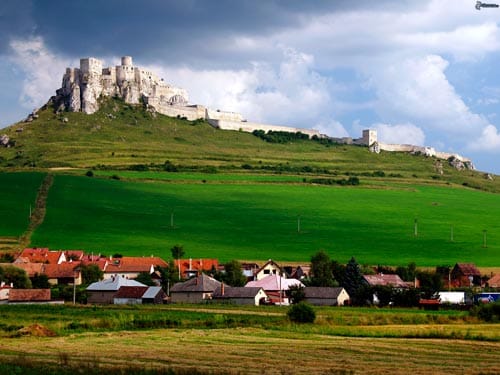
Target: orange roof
(196, 264)
(63, 270)
(42, 255)
(29, 295)
(74, 254)
(99, 262)
(494, 282)
(134, 264)
(30, 268)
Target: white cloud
(400, 134)
(417, 90)
(42, 70)
(332, 128)
(489, 140)
(291, 93)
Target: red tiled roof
(99, 262)
(30, 268)
(42, 255)
(131, 292)
(197, 265)
(63, 270)
(134, 264)
(74, 254)
(494, 282)
(29, 295)
(467, 269)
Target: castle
(82, 87)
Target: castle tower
(127, 61)
(369, 137)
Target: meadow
(285, 221)
(220, 339)
(18, 192)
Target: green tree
(301, 313)
(145, 278)
(91, 273)
(430, 283)
(177, 251)
(321, 270)
(233, 274)
(296, 293)
(40, 281)
(16, 276)
(354, 284)
(169, 275)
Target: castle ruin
(82, 87)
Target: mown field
(258, 220)
(234, 340)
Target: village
(40, 275)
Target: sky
(419, 72)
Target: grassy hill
(232, 195)
(121, 135)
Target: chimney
(222, 289)
(190, 263)
(2, 284)
(201, 263)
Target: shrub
(301, 313)
(89, 174)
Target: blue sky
(420, 72)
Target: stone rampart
(251, 126)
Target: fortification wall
(251, 126)
(223, 115)
(91, 65)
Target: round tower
(127, 60)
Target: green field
(258, 221)
(18, 192)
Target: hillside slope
(120, 135)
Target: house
(249, 270)
(326, 296)
(65, 273)
(133, 295)
(494, 281)
(129, 295)
(131, 267)
(194, 267)
(29, 296)
(465, 275)
(301, 272)
(155, 295)
(270, 268)
(41, 255)
(75, 255)
(31, 269)
(276, 287)
(195, 290)
(385, 280)
(241, 295)
(4, 291)
(103, 292)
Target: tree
(169, 275)
(40, 281)
(430, 283)
(296, 293)
(233, 274)
(353, 283)
(178, 253)
(321, 270)
(91, 273)
(407, 273)
(301, 313)
(16, 276)
(145, 278)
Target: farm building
(241, 295)
(385, 280)
(137, 295)
(465, 275)
(29, 296)
(326, 296)
(276, 287)
(195, 290)
(103, 292)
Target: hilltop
(127, 136)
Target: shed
(326, 296)
(155, 295)
(195, 290)
(103, 292)
(29, 296)
(129, 295)
(241, 295)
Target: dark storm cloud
(15, 20)
(180, 31)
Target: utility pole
(415, 230)
(484, 238)
(172, 219)
(298, 224)
(451, 234)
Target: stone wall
(246, 126)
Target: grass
(17, 191)
(257, 221)
(233, 339)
